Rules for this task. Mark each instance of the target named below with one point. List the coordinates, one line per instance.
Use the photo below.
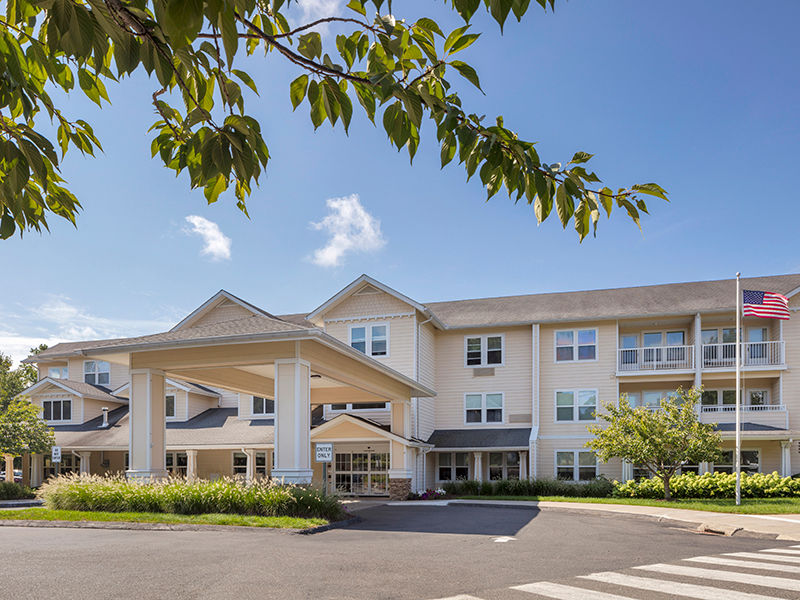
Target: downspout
(416, 401)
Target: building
(413, 395)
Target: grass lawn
(752, 506)
(46, 514)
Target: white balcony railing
(745, 408)
(655, 358)
(754, 354)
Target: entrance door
(361, 471)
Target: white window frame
(60, 401)
(484, 408)
(263, 415)
(575, 345)
(63, 372)
(174, 406)
(575, 463)
(350, 407)
(175, 469)
(713, 466)
(720, 392)
(748, 401)
(368, 337)
(504, 467)
(485, 349)
(575, 405)
(259, 471)
(96, 373)
(452, 465)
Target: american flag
(767, 305)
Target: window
(483, 350)
(576, 465)
(751, 462)
(757, 397)
(58, 372)
(169, 405)
(576, 405)
(57, 410)
(240, 464)
(452, 466)
(362, 406)
(725, 400)
(576, 344)
(263, 406)
(372, 340)
(177, 463)
(503, 465)
(483, 408)
(96, 372)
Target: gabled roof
(355, 286)
(195, 388)
(214, 301)
(75, 388)
(67, 349)
(480, 438)
(377, 428)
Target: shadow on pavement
(464, 520)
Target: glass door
(364, 473)
(756, 345)
(629, 357)
(652, 343)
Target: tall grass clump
(15, 491)
(597, 488)
(178, 496)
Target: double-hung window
(177, 463)
(452, 466)
(263, 406)
(751, 462)
(483, 408)
(169, 405)
(96, 372)
(483, 350)
(58, 372)
(576, 405)
(576, 465)
(240, 464)
(372, 340)
(576, 344)
(503, 465)
(57, 410)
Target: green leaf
(466, 8)
(652, 189)
(564, 205)
(357, 6)
(464, 42)
(297, 90)
(467, 72)
(184, 18)
(429, 25)
(246, 79)
(230, 35)
(448, 148)
(310, 45)
(580, 157)
(454, 36)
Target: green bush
(15, 491)
(116, 494)
(712, 485)
(597, 488)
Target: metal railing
(754, 354)
(655, 358)
(745, 407)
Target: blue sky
(699, 97)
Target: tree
(662, 440)
(23, 431)
(14, 381)
(398, 71)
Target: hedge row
(597, 488)
(116, 494)
(712, 485)
(15, 491)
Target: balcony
(772, 415)
(755, 355)
(655, 359)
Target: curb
(20, 503)
(133, 526)
(329, 526)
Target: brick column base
(399, 489)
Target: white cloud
(216, 244)
(318, 9)
(352, 229)
(57, 319)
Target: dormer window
(169, 403)
(372, 340)
(58, 372)
(96, 372)
(263, 406)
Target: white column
(9, 468)
(401, 466)
(627, 470)
(703, 468)
(698, 351)
(786, 458)
(37, 469)
(86, 465)
(148, 426)
(191, 465)
(477, 466)
(523, 465)
(250, 468)
(292, 421)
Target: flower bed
(712, 485)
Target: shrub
(116, 494)
(712, 485)
(15, 491)
(597, 488)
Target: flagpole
(738, 453)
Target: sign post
(324, 453)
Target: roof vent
(105, 417)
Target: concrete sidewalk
(781, 527)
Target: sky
(699, 97)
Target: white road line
(730, 576)
(782, 551)
(460, 597)
(773, 557)
(745, 564)
(674, 588)
(566, 592)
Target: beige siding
(246, 408)
(44, 367)
(368, 302)
(401, 340)
(199, 403)
(454, 380)
(425, 420)
(119, 373)
(225, 311)
(791, 377)
(94, 408)
(228, 398)
(213, 464)
(382, 416)
(547, 453)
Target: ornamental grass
(226, 496)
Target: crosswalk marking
(565, 592)
(745, 564)
(772, 558)
(730, 576)
(782, 551)
(673, 588)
